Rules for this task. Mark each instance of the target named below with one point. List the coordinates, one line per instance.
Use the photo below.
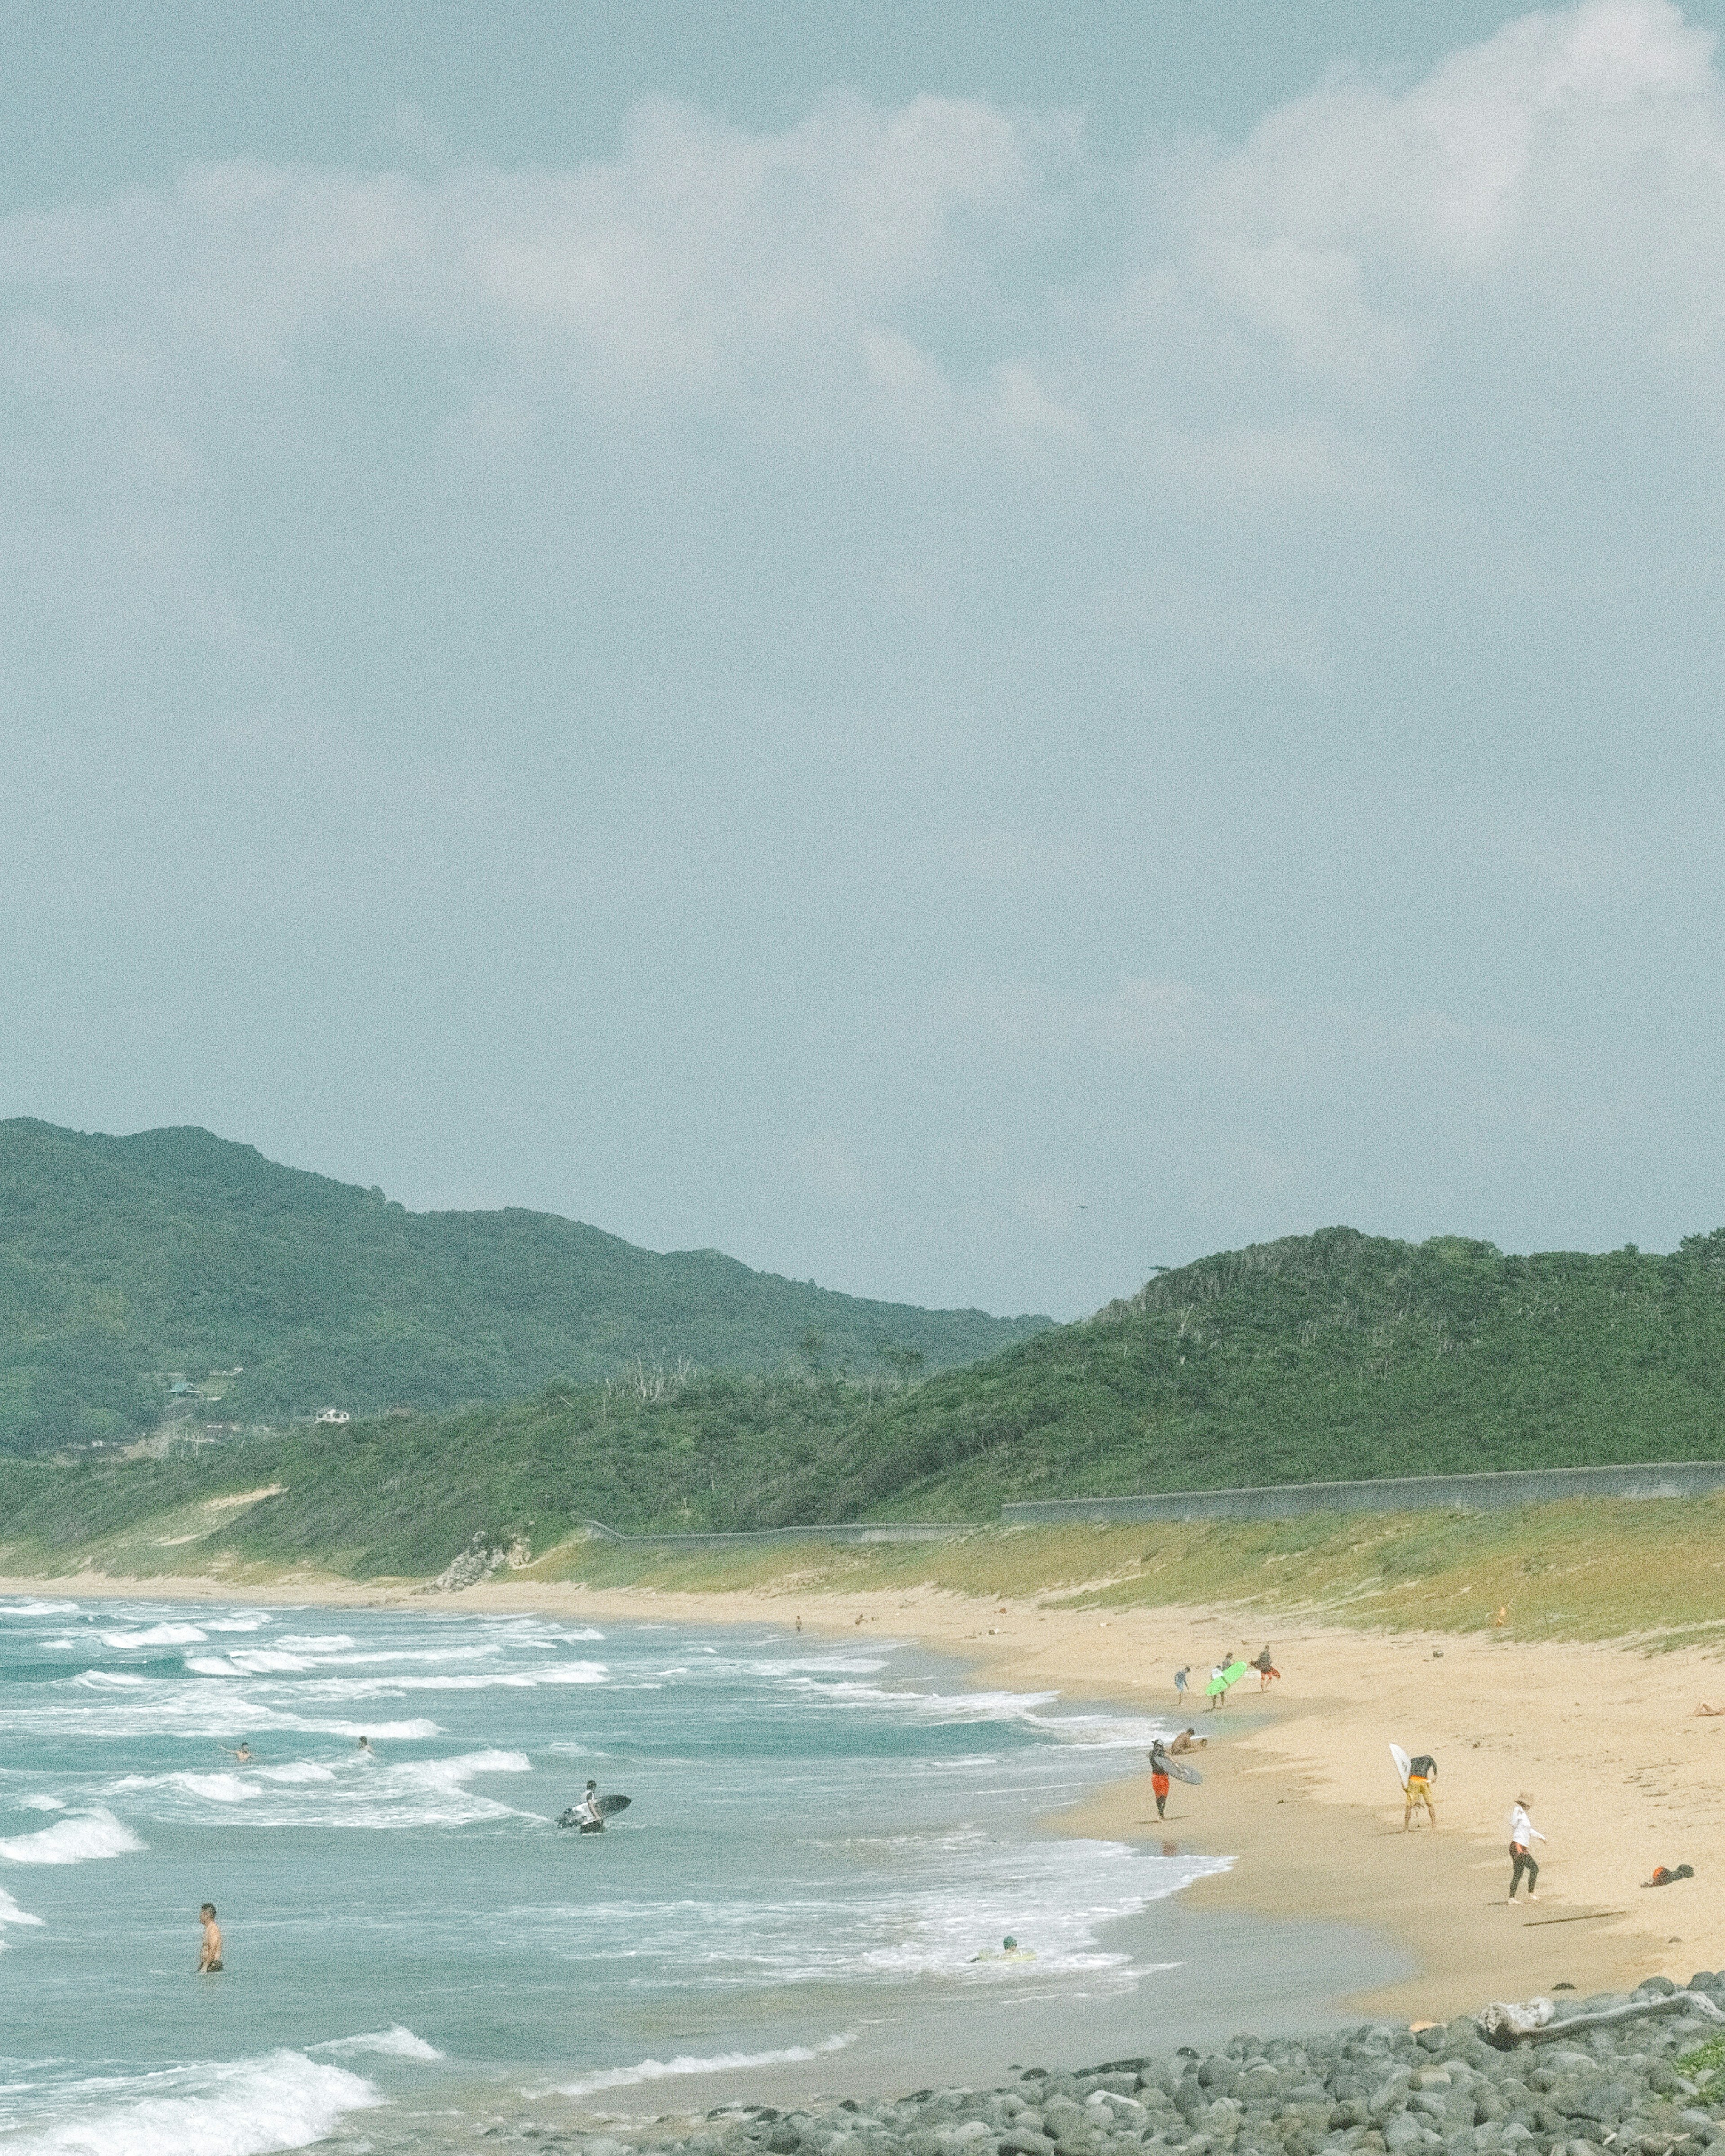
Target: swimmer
(244, 1754)
(209, 1959)
(365, 1748)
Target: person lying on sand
(1663, 1876)
(1704, 1709)
(1189, 1740)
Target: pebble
(1376, 2088)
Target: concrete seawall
(855, 1531)
(1406, 1493)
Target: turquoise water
(821, 1839)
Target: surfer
(1266, 1668)
(1522, 1836)
(587, 1811)
(1158, 1778)
(1214, 1688)
(1422, 1773)
(209, 1958)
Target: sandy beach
(1299, 1788)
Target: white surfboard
(1404, 1764)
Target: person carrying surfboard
(1422, 1773)
(587, 1807)
(1216, 1691)
(1158, 1778)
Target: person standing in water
(364, 1749)
(1522, 1836)
(209, 1958)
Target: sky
(959, 651)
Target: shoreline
(1299, 1791)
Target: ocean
(823, 1840)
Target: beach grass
(1586, 1569)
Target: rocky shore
(1644, 2087)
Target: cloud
(681, 611)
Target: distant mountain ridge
(1329, 1357)
(128, 1264)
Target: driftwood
(1536, 2022)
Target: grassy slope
(174, 1250)
(1602, 1570)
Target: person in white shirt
(1522, 1836)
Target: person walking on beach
(1422, 1773)
(1522, 1836)
(1180, 1677)
(1215, 1692)
(209, 1958)
(1265, 1667)
(1158, 1778)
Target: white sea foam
(396, 2043)
(10, 1913)
(372, 1793)
(726, 2062)
(249, 1624)
(239, 2108)
(42, 1804)
(29, 1608)
(156, 1636)
(77, 1839)
(110, 1679)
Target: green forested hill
(125, 1263)
(1333, 1355)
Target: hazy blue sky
(958, 649)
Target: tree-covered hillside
(129, 1264)
(1333, 1355)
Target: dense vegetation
(128, 1263)
(1334, 1355)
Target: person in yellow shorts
(1422, 1773)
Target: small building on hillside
(333, 1414)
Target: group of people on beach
(1225, 1673)
(1417, 1793)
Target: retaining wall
(855, 1531)
(1406, 1493)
